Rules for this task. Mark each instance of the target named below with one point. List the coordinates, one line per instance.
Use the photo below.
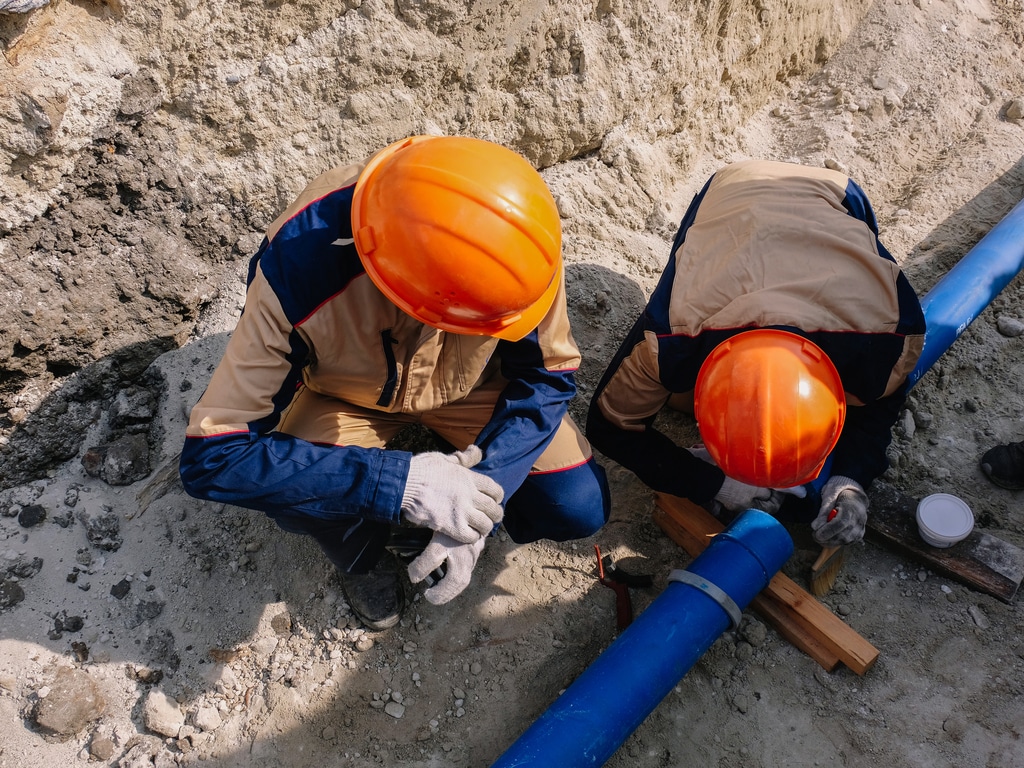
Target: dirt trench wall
(144, 146)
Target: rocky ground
(140, 627)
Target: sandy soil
(193, 633)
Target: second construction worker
(790, 330)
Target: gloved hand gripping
(442, 493)
(848, 498)
(461, 560)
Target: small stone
(1015, 109)
(121, 589)
(834, 165)
(101, 747)
(207, 718)
(281, 624)
(32, 515)
(121, 462)
(394, 709)
(755, 633)
(102, 525)
(11, 593)
(1009, 326)
(979, 617)
(364, 643)
(161, 714)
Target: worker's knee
(569, 504)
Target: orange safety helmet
(770, 406)
(462, 234)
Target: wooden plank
(981, 561)
(776, 614)
(808, 624)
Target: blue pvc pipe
(598, 712)
(963, 292)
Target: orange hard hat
(770, 406)
(462, 234)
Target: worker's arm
(540, 370)
(860, 453)
(620, 425)
(231, 452)
(232, 455)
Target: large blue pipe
(605, 704)
(963, 292)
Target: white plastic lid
(945, 515)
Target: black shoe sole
(1006, 484)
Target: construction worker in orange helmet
(788, 329)
(423, 286)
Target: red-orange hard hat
(770, 406)
(462, 234)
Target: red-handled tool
(620, 581)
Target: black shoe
(376, 598)
(1004, 466)
(407, 543)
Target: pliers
(619, 581)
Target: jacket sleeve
(620, 425)
(540, 371)
(231, 453)
(860, 453)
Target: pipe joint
(714, 592)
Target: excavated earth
(144, 148)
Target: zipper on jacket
(388, 392)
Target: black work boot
(1004, 466)
(376, 598)
(407, 543)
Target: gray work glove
(745, 497)
(461, 561)
(739, 497)
(850, 502)
(442, 493)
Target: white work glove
(766, 499)
(739, 497)
(442, 493)
(461, 561)
(850, 502)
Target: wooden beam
(795, 613)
